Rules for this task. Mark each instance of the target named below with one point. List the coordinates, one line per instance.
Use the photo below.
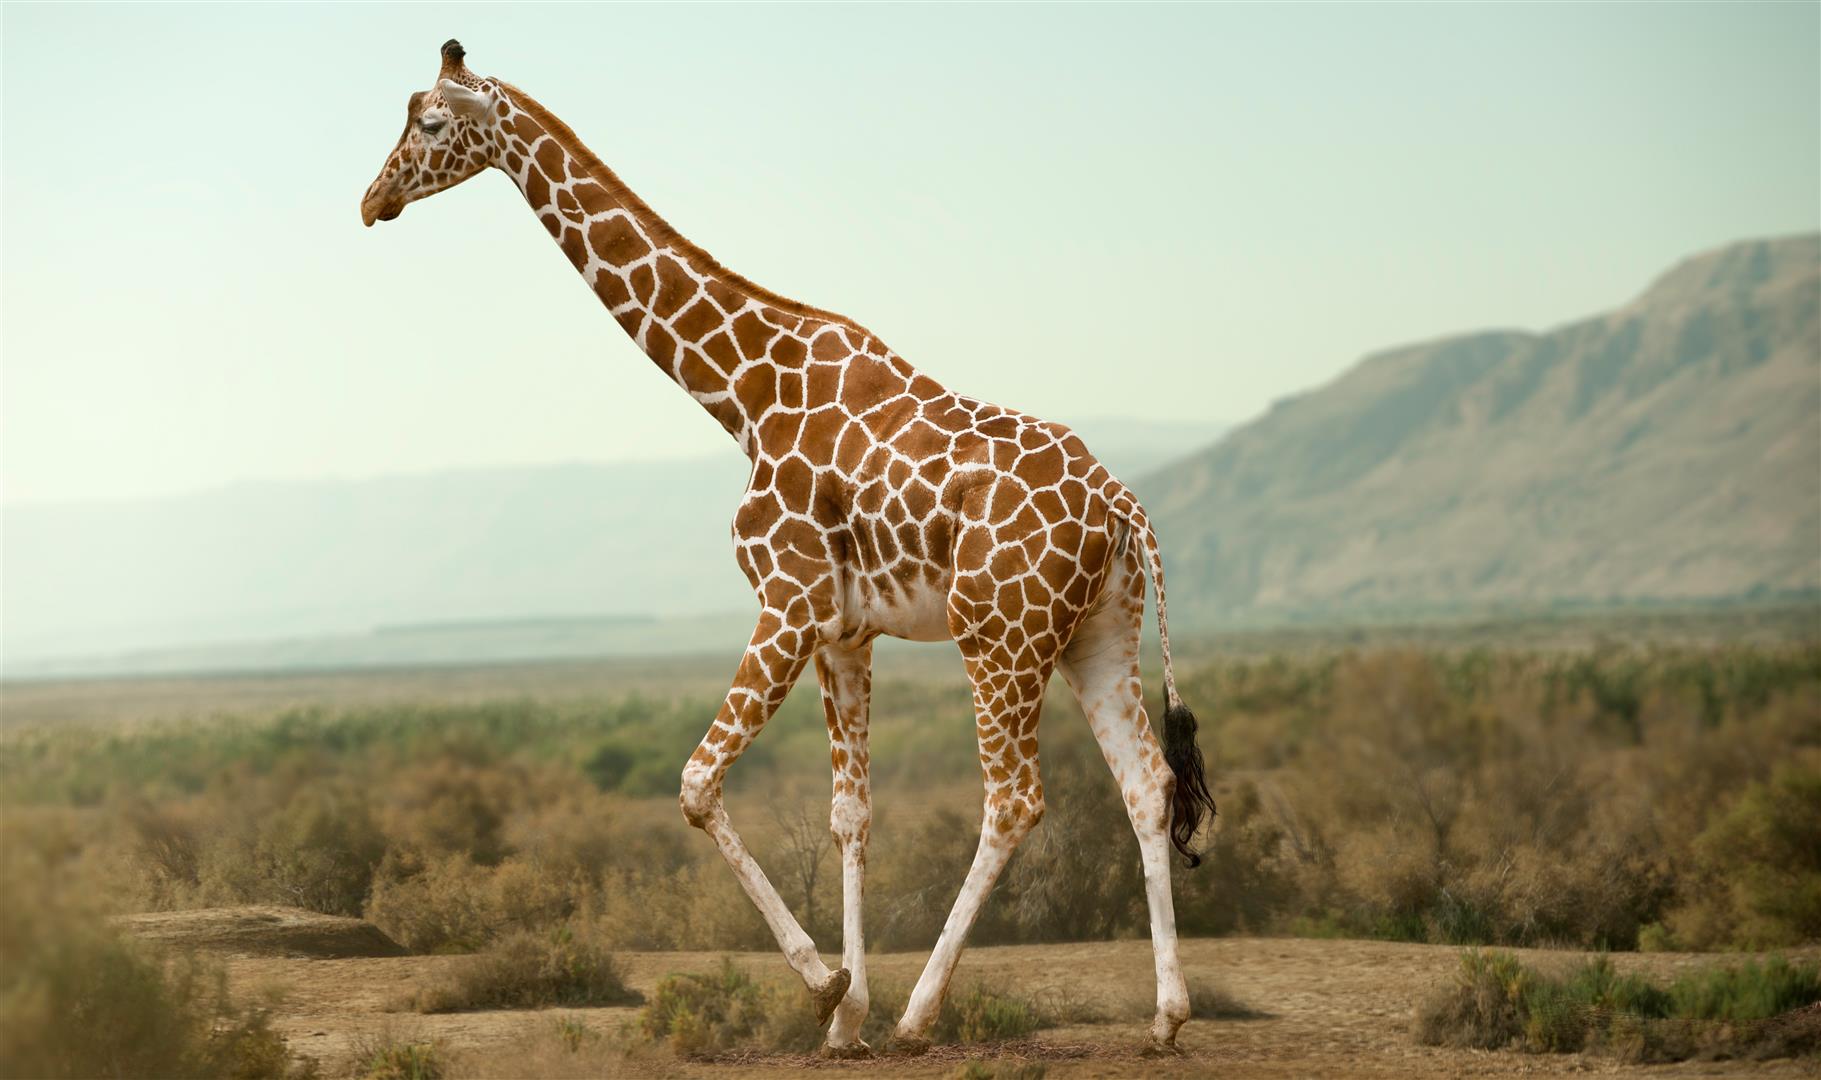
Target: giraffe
(879, 503)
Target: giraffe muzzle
(372, 210)
(383, 200)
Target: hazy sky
(1171, 211)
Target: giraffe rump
(1191, 797)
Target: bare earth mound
(264, 931)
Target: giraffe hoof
(910, 1045)
(850, 1052)
(830, 995)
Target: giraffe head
(451, 133)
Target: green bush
(1758, 868)
(1746, 991)
(394, 1059)
(703, 1015)
(527, 970)
(1495, 1001)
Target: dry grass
(528, 970)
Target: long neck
(711, 331)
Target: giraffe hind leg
(1101, 667)
(1007, 703)
(774, 659)
(846, 678)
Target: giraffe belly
(918, 612)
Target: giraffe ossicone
(879, 502)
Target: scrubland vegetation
(1746, 1009)
(79, 999)
(1618, 798)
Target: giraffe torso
(874, 490)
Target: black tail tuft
(1192, 795)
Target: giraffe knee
(1016, 815)
(701, 795)
(850, 819)
(1150, 806)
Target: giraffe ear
(473, 104)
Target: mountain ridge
(1592, 461)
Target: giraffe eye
(429, 126)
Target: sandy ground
(1332, 1008)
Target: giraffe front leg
(774, 658)
(846, 678)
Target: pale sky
(1171, 211)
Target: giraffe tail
(1191, 799)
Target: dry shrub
(1078, 876)
(912, 882)
(449, 904)
(438, 905)
(526, 970)
(1475, 797)
(978, 1014)
(706, 1015)
(1254, 863)
(78, 999)
(389, 1056)
(1480, 1008)
(444, 806)
(697, 906)
(1530, 799)
(585, 833)
(317, 850)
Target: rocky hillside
(1668, 450)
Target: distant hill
(1667, 451)
(518, 562)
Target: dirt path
(1332, 1008)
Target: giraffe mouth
(382, 202)
(372, 210)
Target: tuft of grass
(526, 970)
(391, 1059)
(976, 1013)
(1749, 1009)
(567, 1049)
(705, 1015)
(572, 1033)
(1479, 1008)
